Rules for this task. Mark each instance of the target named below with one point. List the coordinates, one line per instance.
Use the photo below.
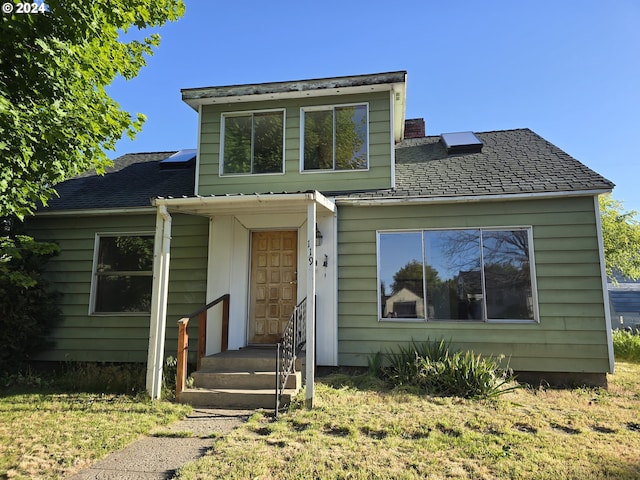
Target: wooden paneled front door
(273, 284)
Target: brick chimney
(414, 128)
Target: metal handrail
(293, 339)
(183, 338)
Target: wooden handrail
(183, 338)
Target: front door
(273, 284)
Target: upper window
(253, 143)
(123, 274)
(335, 138)
(472, 274)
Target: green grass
(50, 427)
(626, 346)
(361, 429)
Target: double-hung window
(481, 274)
(123, 273)
(253, 143)
(335, 138)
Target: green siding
(571, 335)
(118, 338)
(377, 176)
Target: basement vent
(461, 142)
(181, 159)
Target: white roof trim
(294, 89)
(365, 202)
(253, 203)
(92, 212)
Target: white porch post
(161, 257)
(311, 302)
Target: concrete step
(244, 360)
(249, 380)
(233, 398)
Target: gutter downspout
(158, 320)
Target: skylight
(181, 159)
(461, 142)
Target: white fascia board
(92, 212)
(196, 186)
(250, 200)
(367, 202)
(398, 110)
(261, 97)
(394, 137)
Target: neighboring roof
(625, 297)
(511, 162)
(132, 181)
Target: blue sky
(569, 70)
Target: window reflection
(401, 277)
(507, 274)
(335, 138)
(471, 274)
(253, 143)
(454, 278)
(318, 140)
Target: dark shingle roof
(131, 182)
(511, 162)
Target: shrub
(90, 377)
(127, 378)
(432, 368)
(28, 309)
(626, 345)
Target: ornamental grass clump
(431, 367)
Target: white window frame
(532, 273)
(245, 113)
(94, 272)
(332, 107)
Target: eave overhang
(280, 203)
(389, 201)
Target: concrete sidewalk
(159, 457)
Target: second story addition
(332, 134)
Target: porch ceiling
(243, 204)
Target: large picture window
(123, 274)
(253, 143)
(335, 138)
(467, 274)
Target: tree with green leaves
(28, 307)
(56, 119)
(620, 238)
(410, 277)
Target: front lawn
(359, 431)
(46, 433)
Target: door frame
(229, 268)
(250, 279)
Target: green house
(320, 193)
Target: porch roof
(243, 204)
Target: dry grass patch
(359, 430)
(52, 435)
